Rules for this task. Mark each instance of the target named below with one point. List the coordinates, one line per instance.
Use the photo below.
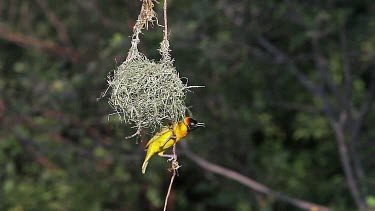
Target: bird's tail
(148, 156)
(144, 166)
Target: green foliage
(58, 151)
(310, 127)
(371, 201)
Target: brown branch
(43, 45)
(344, 147)
(345, 162)
(252, 184)
(61, 30)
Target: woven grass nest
(147, 93)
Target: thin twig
(332, 112)
(164, 45)
(347, 166)
(165, 21)
(174, 164)
(355, 124)
(338, 123)
(174, 168)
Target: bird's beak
(200, 124)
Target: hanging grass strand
(145, 93)
(147, 15)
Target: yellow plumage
(167, 137)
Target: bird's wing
(163, 131)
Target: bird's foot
(175, 166)
(170, 157)
(173, 158)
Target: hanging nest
(145, 93)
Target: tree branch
(44, 45)
(345, 162)
(328, 108)
(302, 204)
(346, 148)
(355, 124)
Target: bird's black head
(192, 124)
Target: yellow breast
(180, 131)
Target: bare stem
(165, 21)
(174, 168)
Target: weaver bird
(167, 137)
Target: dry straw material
(145, 93)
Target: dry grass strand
(147, 94)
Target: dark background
(288, 103)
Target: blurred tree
(288, 103)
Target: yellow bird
(167, 137)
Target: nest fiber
(146, 93)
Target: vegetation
(288, 105)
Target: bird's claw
(172, 158)
(175, 166)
